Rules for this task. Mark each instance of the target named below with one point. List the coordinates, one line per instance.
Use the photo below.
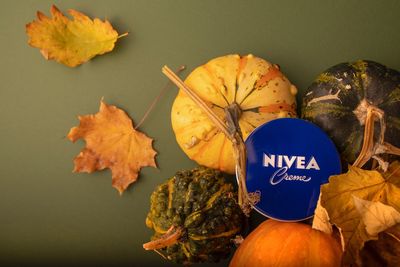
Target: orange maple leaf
(112, 142)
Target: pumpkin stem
(388, 148)
(384, 165)
(370, 149)
(368, 143)
(246, 200)
(233, 112)
(170, 238)
(232, 132)
(211, 115)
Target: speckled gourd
(358, 105)
(254, 87)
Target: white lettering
(289, 162)
(269, 160)
(279, 161)
(277, 177)
(281, 174)
(312, 164)
(300, 162)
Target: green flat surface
(51, 216)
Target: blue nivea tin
(287, 161)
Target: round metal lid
(287, 161)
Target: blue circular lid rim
(281, 119)
(335, 153)
(264, 214)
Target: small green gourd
(195, 216)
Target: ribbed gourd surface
(205, 206)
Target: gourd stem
(391, 149)
(171, 237)
(368, 142)
(214, 118)
(231, 131)
(232, 115)
(246, 200)
(369, 148)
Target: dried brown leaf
(112, 142)
(339, 197)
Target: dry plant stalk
(370, 149)
(232, 131)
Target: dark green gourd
(358, 106)
(195, 216)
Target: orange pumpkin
(253, 86)
(283, 244)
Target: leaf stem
(158, 97)
(122, 35)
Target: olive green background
(51, 216)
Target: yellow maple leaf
(71, 42)
(360, 203)
(112, 142)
